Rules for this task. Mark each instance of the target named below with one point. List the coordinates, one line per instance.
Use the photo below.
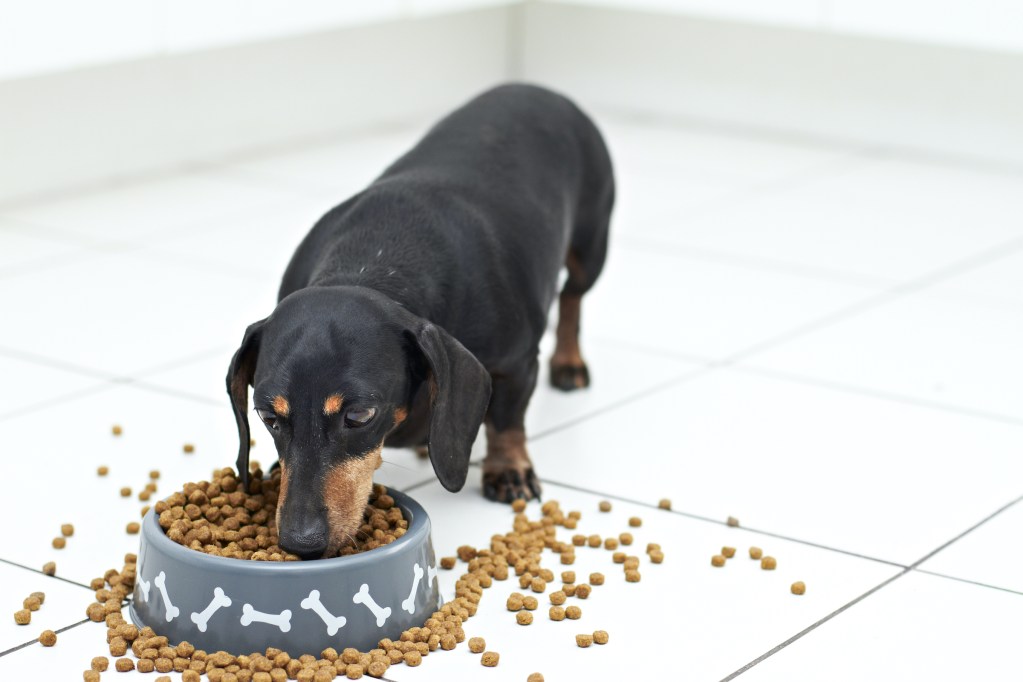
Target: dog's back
(470, 228)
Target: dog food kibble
(534, 677)
(145, 665)
(600, 637)
(652, 547)
(657, 557)
(583, 641)
(556, 613)
(32, 603)
(48, 638)
(558, 597)
(538, 584)
(625, 538)
(50, 568)
(717, 560)
(519, 505)
(567, 558)
(632, 576)
(573, 613)
(618, 557)
(116, 430)
(604, 506)
(125, 491)
(41, 596)
(123, 665)
(448, 562)
(523, 617)
(477, 645)
(582, 591)
(530, 603)
(102, 470)
(188, 448)
(755, 553)
(100, 664)
(727, 552)
(568, 576)
(631, 562)
(23, 617)
(59, 542)
(768, 563)
(610, 543)
(664, 503)
(733, 522)
(594, 541)
(154, 474)
(67, 530)
(490, 659)
(799, 588)
(635, 521)
(90, 676)
(132, 528)
(578, 540)
(596, 578)
(514, 602)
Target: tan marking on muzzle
(282, 492)
(400, 415)
(346, 491)
(281, 406)
(332, 405)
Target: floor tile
(919, 627)
(23, 249)
(64, 604)
(122, 313)
(950, 352)
(970, 557)
(723, 615)
(997, 283)
(829, 467)
(670, 302)
(886, 219)
(30, 386)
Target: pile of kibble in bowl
(220, 517)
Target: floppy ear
(239, 378)
(459, 395)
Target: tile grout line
(908, 569)
(967, 581)
(36, 641)
(36, 570)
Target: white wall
(44, 36)
(980, 24)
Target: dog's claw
(569, 378)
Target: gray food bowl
(301, 607)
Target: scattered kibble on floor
(798, 587)
(717, 560)
(733, 522)
(664, 503)
(604, 506)
(755, 553)
(116, 430)
(768, 563)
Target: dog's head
(333, 371)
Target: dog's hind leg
(507, 470)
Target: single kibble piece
(755, 552)
(618, 557)
(188, 448)
(596, 578)
(90, 676)
(132, 528)
(490, 659)
(583, 641)
(538, 584)
(600, 637)
(519, 505)
(568, 576)
(477, 645)
(594, 541)
(568, 589)
(50, 568)
(733, 522)
(567, 558)
(652, 547)
(768, 563)
(625, 538)
(665, 503)
(604, 506)
(447, 562)
(582, 591)
(632, 576)
(100, 664)
(558, 597)
(727, 552)
(799, 587)
(524, 617)
(631, 562)
(534, 677)
(102, 470)
(32, 603)
(610, 543)
(635, 521)
(573, 613)
(59, 542)
(48, 638)
(154, 474)
(125, 491)
(514, 602)
(530, 603)
(123, 665)
(656, 557)
(556, 613)
(116, 430)
(717, 560)
(578, 540)
(67, 530)
(41, 596)
(413, 658)
(23, 617)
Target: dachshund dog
(412, 313)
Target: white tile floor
(823, 342)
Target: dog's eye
(268, 417)
(359, 416)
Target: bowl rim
(418, 532)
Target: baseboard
(915, 97)
(83, 127)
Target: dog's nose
(308, 541)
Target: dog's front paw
(511, 484)
(567, 377)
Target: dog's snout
(308, 540)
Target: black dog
(413, 311)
